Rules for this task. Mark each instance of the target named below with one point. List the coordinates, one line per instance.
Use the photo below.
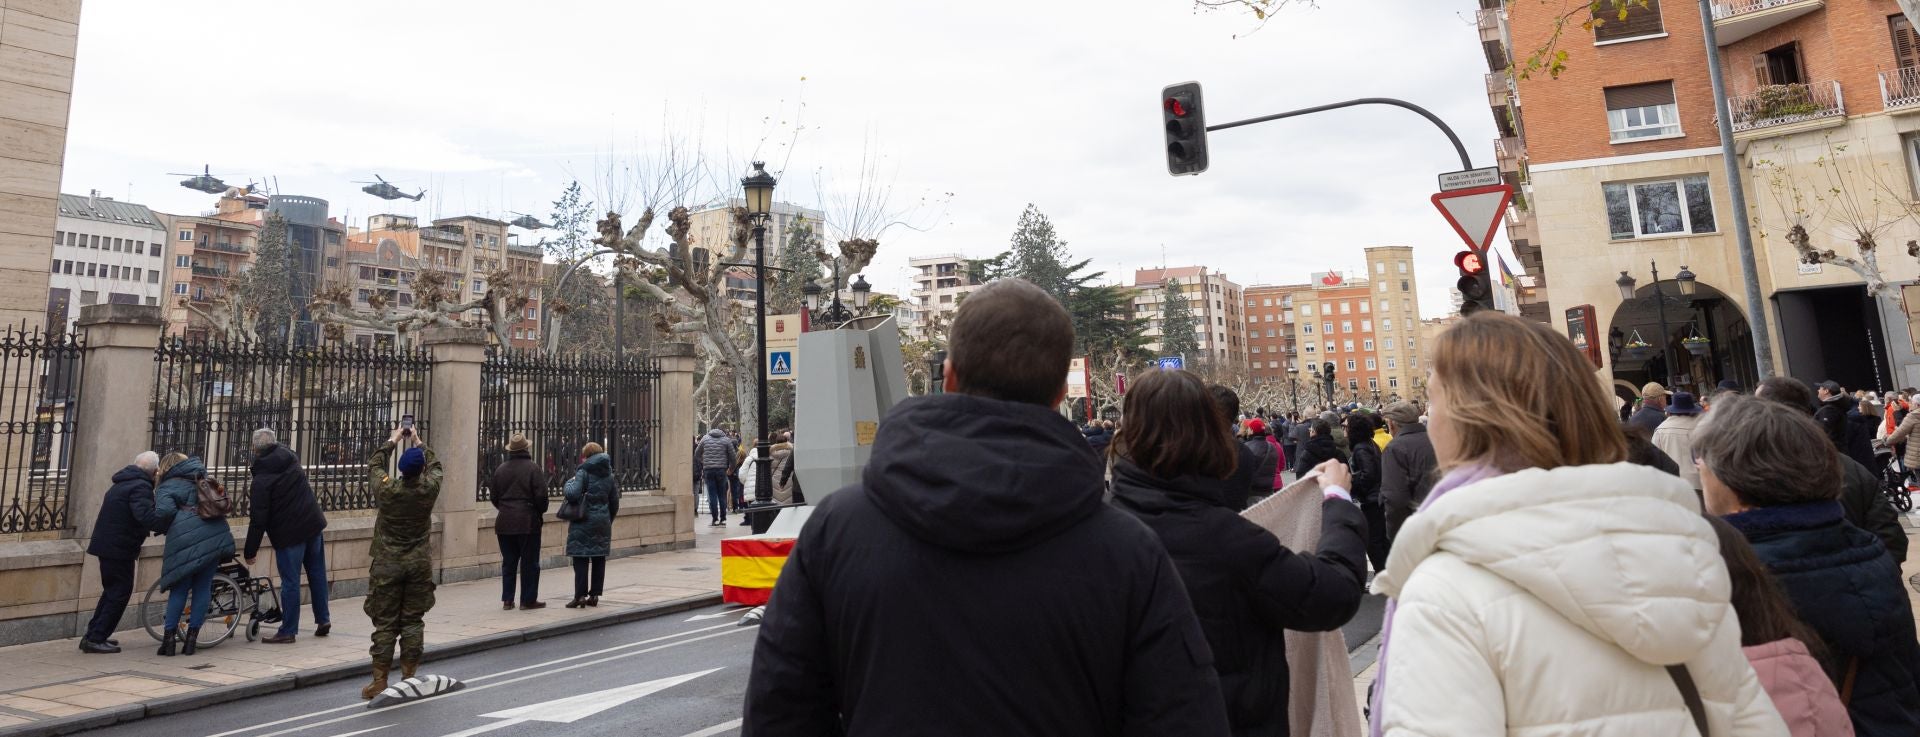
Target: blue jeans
(310, 556)
(201, 586)
(716, 479)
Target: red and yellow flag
(749, 567)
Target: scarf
(1462, 476)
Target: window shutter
(1639, 95)
(1906, 43)
(1639, 21)
(1762, 76)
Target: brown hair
(1010, 341)
(1521, 396)
(1787, 390)
(1768, 453)
(169, 460)
(591, 450)
(1173, 428)
(1765, 612)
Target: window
(1640, 22)
(153, 301)
(1393, 382)
(1404, 287)
(1410, 345)
(1366, 326)
(1403, 267)
(87, 298)
(1371, 365)
(1366, 306)
(1912, 143)
(1662, 207)
(1256, 350)
(1383, 287)
(366, 272)
(73, 239)
(1263, 303)
(69, 269)
(186, 235)
(1346, 345)
(1380, 267)
(153, 276)
(1270, 332)
(1273, 364)
(1392, 363)
(1326, 328)
(59, 237)
(1373, 382)
(1330, 346)
(94, 241)
(1350, 363)
(1642, 111)
(1346, 308)
(1306, 310)
(1346, 326)
(1309, 347)
(1366, 345)
(1387, 344)
(1386, 324)
(1413, 362)
(1307, 328)
(180, 288)
(90, 268)
(1353, 383)
(153, 249)
(182, 261)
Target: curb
(314, 676)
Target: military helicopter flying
(385, 191)
(205, 181)
(527, 221)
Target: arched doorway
(1726, 354)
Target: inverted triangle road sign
(1475, 213)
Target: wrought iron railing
(1785, 104)
(1724, 9)
(1900, 88)
(39, 399)
(561, 403)
(332, 405)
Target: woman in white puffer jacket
(1546, 587)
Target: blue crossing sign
(780, 363)
(1171, 363)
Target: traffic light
(1476, 291)
(1326, 372)
(1186, 128)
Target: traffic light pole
(1466, 162)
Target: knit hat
(518, 443)
(412, 462)
(1403, 413)
(1256, 426)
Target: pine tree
(1037, 254)
(581, 309)
(784, 295)
(1178, 336)
(268, 284)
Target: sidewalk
(52, 688)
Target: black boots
(193, 634)
(98, 648)
(166, 644)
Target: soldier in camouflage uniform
(400, 587)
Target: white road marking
(457, 694)
(475, 679)
(721, 728)
(485, 728)
(364, 731)
(715, 615)
(575, 708)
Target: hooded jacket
(193, 544)
(1548, 602)
(1407, 469)
(1832, 416)
(716, 450)
(126, 516)
(1799, 689)
(282, 502)
(784, 478)
(598, 494)
(1845, 586)
(1246, 587)
(1319, 449)
(974, 584)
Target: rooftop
(106, 210)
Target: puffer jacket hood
(982, 475)
(598, 464)
(716, 433)
(1619, 550)
(190, 468)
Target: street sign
(780, 364)
(1469, 179)
(783, 343)
(1171, 363)
(1475, 213)
(1077, 378)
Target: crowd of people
(725, 468)
(1554, 562)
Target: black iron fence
(331, 404)
(561, 403)
(39, 399)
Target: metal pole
(1666, 338)
(762, 475)
(1737, 192)
(619, 314)
(1466, 162)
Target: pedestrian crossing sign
(780, 364)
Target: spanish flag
(749, 566)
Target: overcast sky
(494, 105)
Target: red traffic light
(1469, 262)
(1177, 106)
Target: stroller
(1893, 479)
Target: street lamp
(1688, 285)
(1293, 385)
(759, 190)
(812, 293)
(861, 293)
(937, 372)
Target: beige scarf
(1322, 702)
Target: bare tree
(1850, 196)
(433, 304)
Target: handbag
(572, 510)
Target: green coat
(404, 527)
(595, 490)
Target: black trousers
(1377, 542)
(520, 560)
(116, 589)
(581, 567)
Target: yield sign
(1475, 213)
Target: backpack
(1266, 458)
(210, 498)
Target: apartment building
(1219, 320)
(939, 281)
(1619, 162)
(524, 263)
(205, 253)
(1272, 349)
(104, 252)
(465, 252)
(1367, 327)
(373, 269)
(711, 227)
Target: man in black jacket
(973, 583)
(1859, 490)
(518, 491)
(126, 514)
(1832, 411)
(1406, 467)
(285, 512)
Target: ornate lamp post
(1688, 285)
(1293, 385)
(759, 199)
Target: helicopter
(205, 181)
(386, 191)
(527, 221)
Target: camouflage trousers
(398, 598)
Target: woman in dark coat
(1245, 586)
(1766, 469)
(590, 538)
(1319, 449)
(1366, 488)
(195, 548)
(518, 490)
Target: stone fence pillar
(453, 429)
(115, 395)
(677, 430)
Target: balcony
(222, 247)
(1780, 109)
(199, 270)
(1734, 20)
(1508, 152)
(1900, 89)
(1493, 36)
(1497, 89)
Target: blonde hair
(1521, 396)
(592, 449)
(169, 461)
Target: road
(675, 676)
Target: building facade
(37, 44)
(1623, 172)
(205, 252)
(1219, 321)
(1368, 328)
(104, 252)
(939, 282)
(1273, 351)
